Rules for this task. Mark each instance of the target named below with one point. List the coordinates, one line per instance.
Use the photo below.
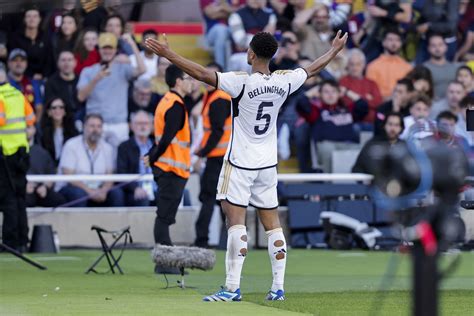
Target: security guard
(16, 114)
(170, 156)
(217, 123)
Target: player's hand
(159, 47)
(339, 42)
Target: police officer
(16, 114)
(170, 156)
(217, 124)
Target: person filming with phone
(104, 87)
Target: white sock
(278, 254)
(235, 255)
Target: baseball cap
(107, 40)
(17, 52)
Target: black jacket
(66, 90)
(128, 160)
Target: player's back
(256, 101)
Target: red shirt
(91, 59)
(367, 89)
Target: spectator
(392, 129)
(66, 38)
(442, 71)
(388, 67)
(142, 98)
(315, 36)
(85, 51)
(454, 94)
(115, 24)
(465, 76)
(3, 47)
(31, 88)
(93, 14)
(307, 94)
(417, 124)
(158, 83)
(96, 83)
(57, 127)
(384, 15)
(150, 59)
(466, 51)
(63, 84)
(89, 154)
(52, 22)
(355, 82)
(338, 12)
(244, 23)
(287, 54)
(422, 80)
(287, 10)
(41, 194)
(138, 193)
(399, 103)
(216, 14)
(332, 122)
(446, 122)
(31, 40)
(441, 17)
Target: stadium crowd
(87, 77)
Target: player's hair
(447, 116)
(394, 114)
(407, 83)
(215, 65)
(330, 82)
(172, 74)
(264, 45)
(93, 116)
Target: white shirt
(78, 157)
(151, 65)
(256, 101)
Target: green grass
(317, 282)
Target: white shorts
(241, 187)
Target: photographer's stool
(117, 235)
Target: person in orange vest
(217, 123)
(170, 157)
(16, 114)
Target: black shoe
(168, 270)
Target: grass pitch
(317, 282)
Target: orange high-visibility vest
(177, 157)
(221, 147)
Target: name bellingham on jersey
(256, 101)
(267, 89)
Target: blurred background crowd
(406, 73)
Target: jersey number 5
(261, 116)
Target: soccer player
(249, 174)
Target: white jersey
(256, 101)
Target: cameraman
(16, 114)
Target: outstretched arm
(198, 72)
(319, 64)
